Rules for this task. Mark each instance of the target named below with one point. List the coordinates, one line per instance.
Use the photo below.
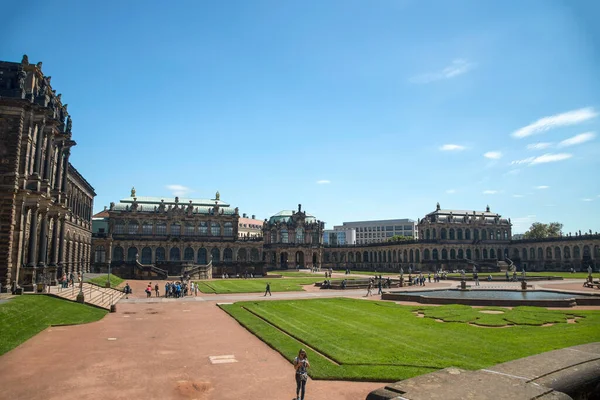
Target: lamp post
(108, 277)
(80, 296)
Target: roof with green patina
(286, 216)
(181, 201)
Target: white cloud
(457, 67)
(587, 199)
(543, 159)
(553, 121)
(494, 155)
(539, 145)
(517, 196)
(490, 192)
(513, 172)
(541, 187)
(323, 182)
(179, 190)
(451, 191)
(577, 139)
(452, 147)
(522, 224)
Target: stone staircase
(94, 295)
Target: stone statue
(474, 269)
(112, 205)
(133, 192)
(25, 60)
(462, 274)
(69, 124)
(161, 207)
(237, 210)
(217, 196)
(176, 199)
(589, 270)
(437, 206)
(21, 80)
(299, 207)
(401, 271)
(39, 65)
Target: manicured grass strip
(370, 273)
(25, 316)
(255, 285)
(297, 274)
(389, 342)
(101, 280)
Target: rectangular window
(389, 234)
(147, 229)
(408, 227)
(161, 229)
(119, 229)
(175, 229)
(284, 236)
(203, 229)
(377, 229)
(189, 230)
(215, 229)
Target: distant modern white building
(339, 235)
(382, 230)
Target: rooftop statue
(25, 60)
(217, 196)
(133, 192)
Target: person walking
(301, 366)
(156, 289)
(268, 289)
(369, 288)
(379, 291)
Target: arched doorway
(300, 259)
(283, 260)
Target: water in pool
(497, 294)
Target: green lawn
(353, 339)
(297, 274)
(223, 286)
(25, 316)
(370, 273)
(101, 280)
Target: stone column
(55, 244)
(65, 170)
(43, 247)
(49, 151)
(38, 150)
(59, 168)
(32, 238)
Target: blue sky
(356, 109)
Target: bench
(594, 284)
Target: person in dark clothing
(301, 364)
(268, 289)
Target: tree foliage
(540, 230)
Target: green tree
(400, 238)
(540, 230)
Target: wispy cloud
(521, 224)
(553, 121)
(577, 139)
(494, 155)
(452, 147)
(179, 190)
(515, 171)
(517, 196)
(543, 159)
(323, 182)
(539, 145)
(456, 68)
(587, 199)
(451, 191)
(541, 187)
(490, 192)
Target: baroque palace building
(45, 204)
(172, 235)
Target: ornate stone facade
(173, 233)
(460, 239)
(45, 204)
(293, 239)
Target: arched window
(160, 254)
(202, 256)
(188, 254)
(452, 254)
(498, 236)
(540, 254)
(426, 254)
(394, 256)
(461, 254)
(549, 253)
(146, 255)
(161, 228)
(100, 254)
(228, 229)
(459, 234)
(131, 253)
(147, 228)
(476, 234)
(427, 234)
(203, 228)
(254, 255)
(358, 257)
(477, 254)
(273, 237)
(119, 227)
(483, 234)
(434, 254)
(389, 256)
(216, 255)
(299, 235)
(524, 254)
(567, 251)
(174, 254)
(242, 255)
(576, 253)
(433, 233)
(532, 254)
(485, 254)
(557, 253)
(505, 234)
(417, 255)
(467, 234)
(444, 254)
(586, 252)
(176, 229)
(227, 255)
(469, 254)
(284, 236)
(443, 234)
(452, 237)
(215, 229)
(366, 256)
(492, 253)
(132, 228)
